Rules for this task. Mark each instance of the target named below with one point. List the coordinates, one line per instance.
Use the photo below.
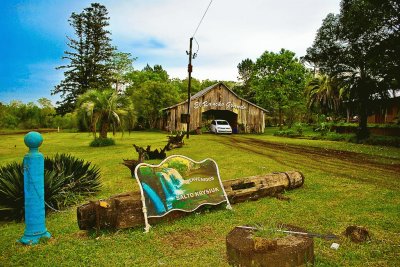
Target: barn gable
(216, 102)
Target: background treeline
(18, 115)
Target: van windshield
(222, 123)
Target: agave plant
(67, 180)
(12, 190)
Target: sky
(34, 35)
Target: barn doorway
(227, 115)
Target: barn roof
(207, 89)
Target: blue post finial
(33, 140)
(35, 217)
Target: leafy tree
(376, 24)
(150, 97)
(121, 65)
(45, 103)
(47, 112)
(359, 48)
(195, 86)
(279, 81)
(245, 89)
(104, 108)
(8, 118)
(66, 121)
(89, 56)
(136, 78)
(28, 115)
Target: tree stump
(132, 163)
(175, 141)
(149, 154)
(244, 249)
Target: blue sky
(33, 36)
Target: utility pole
(190, 67)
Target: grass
(345, 184)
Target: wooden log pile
(125, 210)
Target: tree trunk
(280, 119)
(348, 114)
(362, 131)
(104, 129)
(125, 210)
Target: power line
(198, 48)
(202, 19)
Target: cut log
(125, 210)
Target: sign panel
(213, 105)
(179, 183)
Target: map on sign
(179, 183)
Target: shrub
(67, 181)
(337, 137)
(299, 128)
(102, 142)
(323, 128)
(287, 133)
(379, 140)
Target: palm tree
(323, 93)
(105, 108)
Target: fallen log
(125, 210)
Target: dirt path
(324, 159)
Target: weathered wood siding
(250, 117)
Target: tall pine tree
(89, 56)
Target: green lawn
(345, 184)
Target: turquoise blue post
(35, 217)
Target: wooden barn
(215, 102)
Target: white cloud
(231, 31)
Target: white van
(220, 126)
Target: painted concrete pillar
(35, 217)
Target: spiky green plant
(12, 190)
(67, 180)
